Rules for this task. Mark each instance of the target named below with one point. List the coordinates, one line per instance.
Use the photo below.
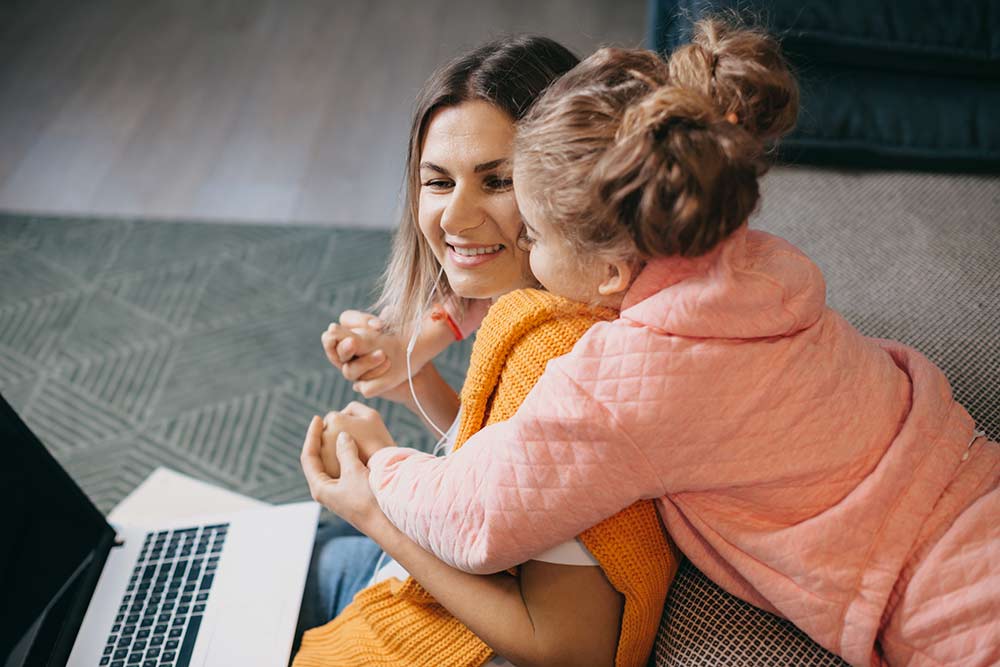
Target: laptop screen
(53, 538)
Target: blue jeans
(343, 563)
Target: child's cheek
(539, 266)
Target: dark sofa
(907, 84)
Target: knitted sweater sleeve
(560, 465)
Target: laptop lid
(55, 542)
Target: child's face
(556, 265)
(467, 210)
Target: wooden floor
(251, 110)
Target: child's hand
(363, 424)
(328, 449)
(350, 496)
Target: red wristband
(439, 313)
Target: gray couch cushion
(912, 257)
(704, 625)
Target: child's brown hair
(636, 156)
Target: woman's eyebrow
(433, 167)
(490, 166)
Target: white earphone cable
(409, 366)
(409, 378)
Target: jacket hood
(752, 285)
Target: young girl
(821, 475)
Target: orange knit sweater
(399, 623)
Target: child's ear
(618, 277)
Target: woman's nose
(463, 212)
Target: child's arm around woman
(525, 622)
(614, 595)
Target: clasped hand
(334, 457)
(372, 360)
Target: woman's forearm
(434, 338)
(550, 615)
(489, 605)
(436, 396)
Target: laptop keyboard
(161, 611)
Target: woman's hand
(373, 360)
(350, 496)
(363, 424)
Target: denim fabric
(342, 565)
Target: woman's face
(467, 211)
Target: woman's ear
(617, 278)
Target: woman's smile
(469, 255)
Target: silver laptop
(217, 590)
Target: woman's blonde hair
(509, 73)
(642, 157)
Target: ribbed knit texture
(395, 623)
(392, 624)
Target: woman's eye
(497, 183)
(437, 184)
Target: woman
(462, 223)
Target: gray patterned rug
(129, 345)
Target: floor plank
(254, 110)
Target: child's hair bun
(743, 70)
(679, 176)
(644, 158)
(666, 107)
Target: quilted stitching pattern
(766, 444)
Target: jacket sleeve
(561, 465)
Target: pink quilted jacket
(803, 467)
